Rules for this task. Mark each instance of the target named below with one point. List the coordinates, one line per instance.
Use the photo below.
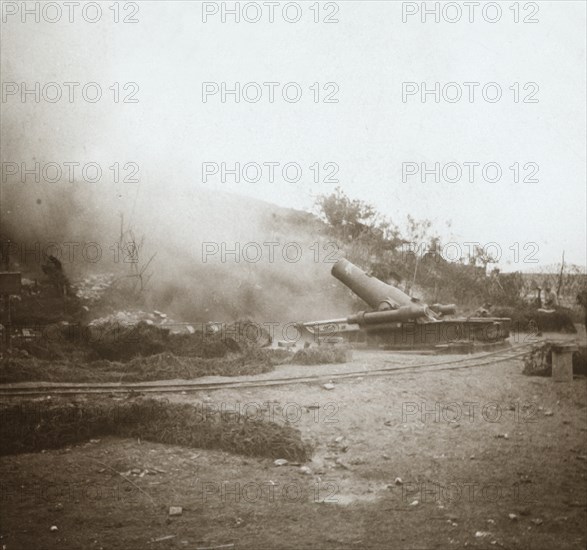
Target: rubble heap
(92, 288)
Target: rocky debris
(328, 386)
(92, 288)
(166, 537)
(305, 470)
(141, 472)
(280, 462)
(340, 463)
(131, 318)
(53, 528)
(175, 510)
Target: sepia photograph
(283, 275)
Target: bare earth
(480, 457)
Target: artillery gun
(398, 321)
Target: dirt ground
(480, 457)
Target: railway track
(511, 353)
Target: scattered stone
(53, 528)
(548, 413)
(280, 462)
(537, 521)
(339, 439)
(414, 503)
(513, 517)
(175, 510)
(398, 481)
(166, 537)
(305, 470)
(341, 464)
(328, 386)
(481, 534)
(385, 457)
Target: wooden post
(8, 322)
(562, 362)
(10, 283)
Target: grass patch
(121, 342)
(163, 366)
(33, 426)
(317, 355)
(135, 353)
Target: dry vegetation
(35, 426)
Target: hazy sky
(170, 52)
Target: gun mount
(398, 321)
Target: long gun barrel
(376, 293)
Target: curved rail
(497, 356)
